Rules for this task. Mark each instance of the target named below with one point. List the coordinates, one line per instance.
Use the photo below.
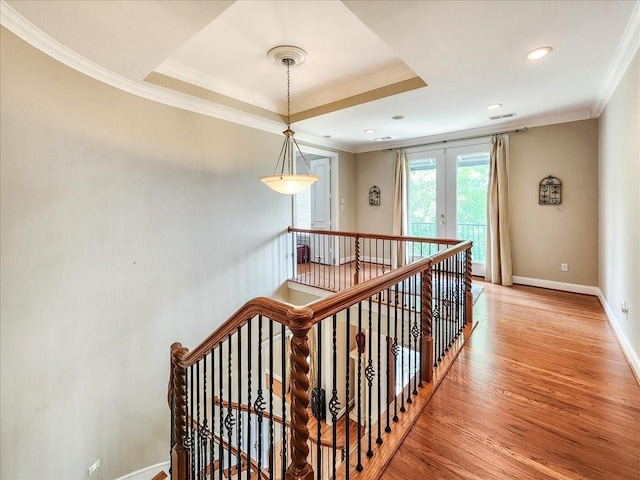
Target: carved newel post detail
(178, 396)
(299, 468)
(426, 359)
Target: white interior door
(322, 249)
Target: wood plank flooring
(541, 391)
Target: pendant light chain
(288, 93)
(286, 181)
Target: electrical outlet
(94, 467)
(564, 267)
(625, 307)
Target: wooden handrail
(282, 312)
(328, 306)
(378, 236)
(307, 316)
(299, 320)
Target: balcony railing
(476, 232)
(323, 390)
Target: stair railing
(228, 414)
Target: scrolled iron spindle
(356, 275)
(403, 409)
(379, 422)
(369, 374)
(334, 403)
(359, 390)
(283, 360)
(387, 427)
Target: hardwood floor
(541, 391)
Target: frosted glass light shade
(289, 184)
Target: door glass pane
(422, 198)
(472, 183)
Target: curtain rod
(517, 130)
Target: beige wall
(347, 192)
(126, 225)
(543, 237)
(374, 168)
(620, 208)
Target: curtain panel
(498, 263)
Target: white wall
(619, 154)
(126, 225)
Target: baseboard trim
(566, 287)
(630, 354)
(147, 472)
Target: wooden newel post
(467, 288)
(299, 468)
(426, 359)
(178, 396)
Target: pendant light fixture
(284, 180)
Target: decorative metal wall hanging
(374, 196)
(550, 191)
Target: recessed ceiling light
(539, 53)
(381, 139)
(493, 106)
(369, 130)
(397, 117)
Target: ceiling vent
(506, 115)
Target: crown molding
(18, 25)
(521, 122)
(625, 52)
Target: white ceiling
(469, 53)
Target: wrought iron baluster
(196, 446)
(409, 316)
(283, 360)
(259, 403)
(204, 430)
(249, 368)
(369, 374)
(379, 419)
(212, 405)
(334, 404)
(402, 321)
(395, 349)
(319, 398)
(239, 412)
(416, 331)
(387, 401)
(229, 420)
(221, 413)
(191, 437)
(359, 388)
(347, 400)
(271, 429)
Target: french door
(448, 196)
